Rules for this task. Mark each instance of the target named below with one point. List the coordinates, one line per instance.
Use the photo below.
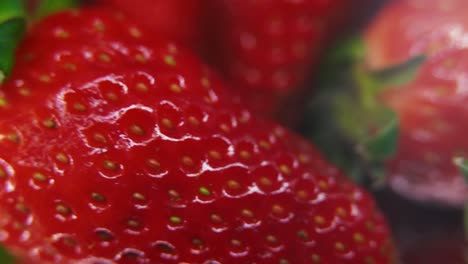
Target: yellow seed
(285, 169)
(193, 121)
(142, 87)
(39, 177)
(135, 32)
(49, 123)
(316, 259)
(302, 234)
(2, 173)
(138, 196)
(133, 223)
(140, 58)
(247, 213)
(63, 209)
(13, 138)
(99, 26)
(137, 130)
(323, 184)
(232, 184)
(318, 219)
(167, 123)
(271, 239)
(24, 92)
(175, 219)
(62, 158)
(187, 161)
(205, 82)
(277, 209)
(264, 144)
(244, 154)
(358, 237)
(174, 195)
(302, 194)
(339, 246)
(175, 88)
(104, 57)
(236, 243)
(22, 208)
(153, 164)
(216, 218)
(45, 78)
(341, 212)
(204, 191)
(110, 165)
(265, 181)
(169, 60)
(98, 197)
(79, 107)
(99, 138)
(214, 154)
(112, 96)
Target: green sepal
(48, 7)
(5, 258)
(384, 143)
(11, 9)
(11, 33)
(398, 75)
(462, 165)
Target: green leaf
(347, 51)
(384, 144)
(11, 9)
(462, 165)
(400, 74)
(48, 7)
(5, 258)
(11, 33)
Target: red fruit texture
(407, 28)
(118, 147)
(180, 20)
(267, 48)
(432, 108)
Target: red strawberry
(412, 130)
(180, 20)
(407, 28)
(116, 147)
(265, 48)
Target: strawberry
(408, 28)
(180, 20)
(266, 48)
(118, 147)
(407, 114)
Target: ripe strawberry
(408, 28)
(409, 119)
(266, 48)
(116, 147)
(180, 20)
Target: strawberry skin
(266, 48)
(117, 147)
(432, 109)
(407, 28)
(433, 119)
(180, 20)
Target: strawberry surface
(266, 48)
(180, 20)
(433, 117)
(407, 28)
(118, 147)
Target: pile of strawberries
(156, 131)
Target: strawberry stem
(12, 29)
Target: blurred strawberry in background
(404, 113)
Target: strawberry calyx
(14, 19)
(5, 258)
(12, 28)
(351, 102)
(47, 7)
